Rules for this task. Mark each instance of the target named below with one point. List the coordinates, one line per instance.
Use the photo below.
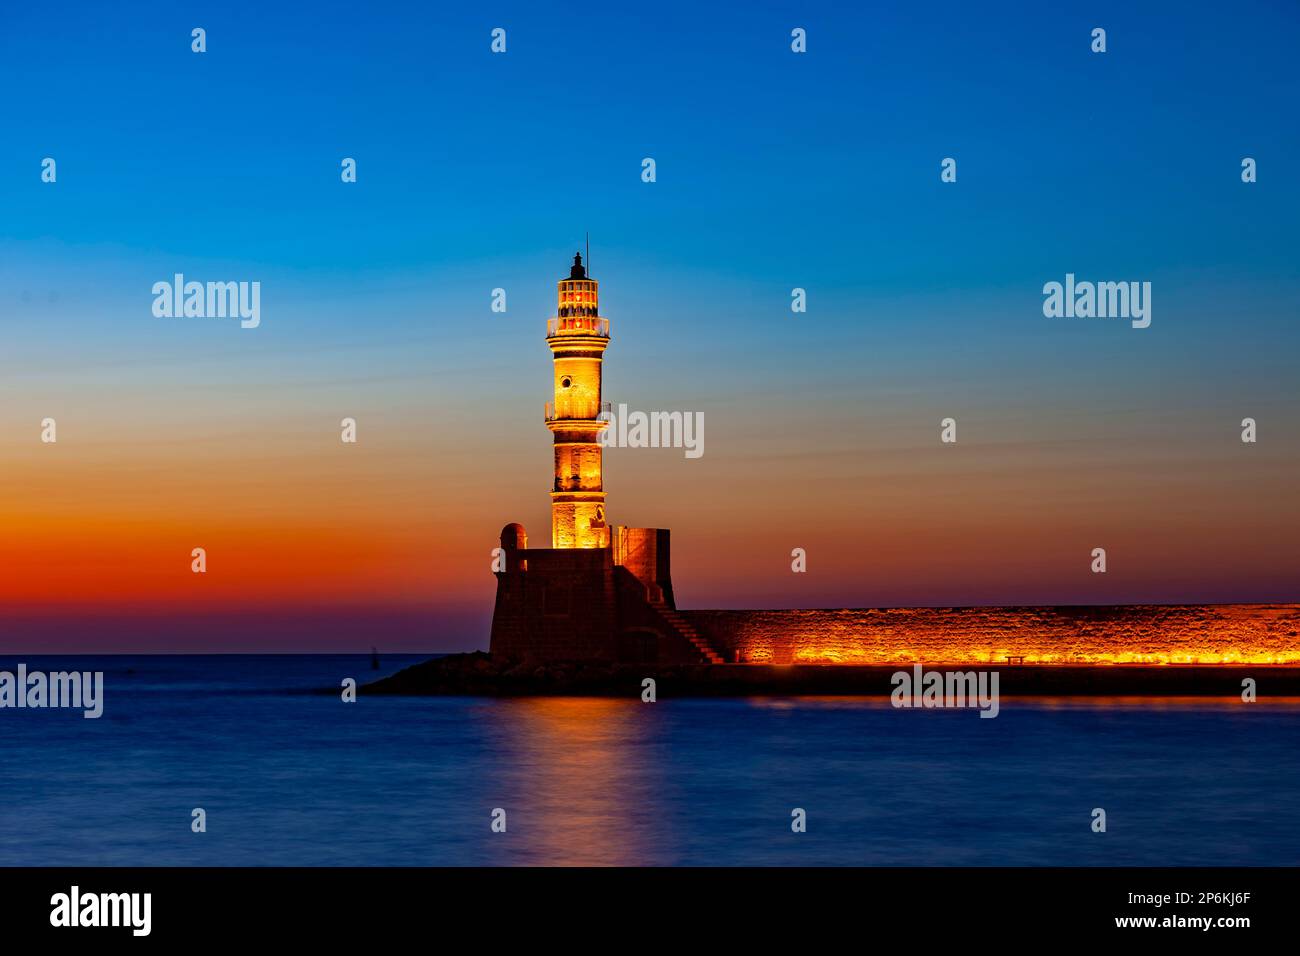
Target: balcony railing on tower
(605, 409)
(585, 324)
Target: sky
(774, 171)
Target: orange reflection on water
(586, 778)
(1149, 702)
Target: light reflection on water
(293, 778)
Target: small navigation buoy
(374, 659)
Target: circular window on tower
(566, 382)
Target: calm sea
(290, 777)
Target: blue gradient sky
(774, 171)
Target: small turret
(514, 537)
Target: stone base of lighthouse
(612, 603)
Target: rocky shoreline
(478, 674)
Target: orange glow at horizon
(92, 527)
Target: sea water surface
(290, 777)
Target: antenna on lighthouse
(588, 255)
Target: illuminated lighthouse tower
(578, 337)
(598, 592)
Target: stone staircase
(686, 629)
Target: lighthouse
(578, 337)
(599, 592)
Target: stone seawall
(1129, 634)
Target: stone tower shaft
(578, 337)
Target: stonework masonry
(1153, 634)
